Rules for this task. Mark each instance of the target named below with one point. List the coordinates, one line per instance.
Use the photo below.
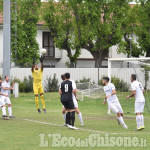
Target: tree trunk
(71, 59)
(148, 53)
(99, 56)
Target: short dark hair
(6, 76)
(67, 75)
(106, 79)
(133, 76)
(63, 77)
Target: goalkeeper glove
(41, 59)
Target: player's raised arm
(41, 60)
(32, 69)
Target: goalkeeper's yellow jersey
(37, 77)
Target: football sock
(72, 116)
(4, 111)
(68, 118)
(10, 111)
(43, 101)
(142, 120)
(138, 121)
(37, 102)
(121, 120)
(80, 118)
(64, 116)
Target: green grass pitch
(23, 133)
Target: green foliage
(51, 84)
(58, 18)
(26, 85)
(143, 28)
(120, 85)
(84, 80)
(93, 25)
(1, 6)
(23, 40)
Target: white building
(56, 58)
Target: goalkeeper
(37, 83)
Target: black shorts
(68, 104)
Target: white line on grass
(89, 130)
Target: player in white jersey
(112, 100)
(75, 99)
(137, 92)
(5, 87)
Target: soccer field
(27, 131)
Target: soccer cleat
(138, 129)
(82, 124)
(44, 111)
(125, 126)
(5, 117)
(39, 111)
(119, 122)
(12, 116)
(72, 127)
(142, 127)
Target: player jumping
(66, 89)
(113, 101)
(37, 84)
(137, 92)
(5, 87)
(75, 99)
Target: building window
(48, 44)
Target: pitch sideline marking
(90, 130)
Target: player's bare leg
(10, 111)
(37, 103)
(79, 115)
(120, 120)
(43, 102)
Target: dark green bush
(83, 80)
(51, 84)
(26, 85)
(120, 85)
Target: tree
(1, 6)
(143, 28)
(60, 22)
(101, 26)
(23, 39)
(129, 31)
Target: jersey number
(66, 87)
(140, 86)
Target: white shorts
(75, 102)
(1, 102)
(115, 107)
(139, 107)
(5, 100)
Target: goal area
(119, 72)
